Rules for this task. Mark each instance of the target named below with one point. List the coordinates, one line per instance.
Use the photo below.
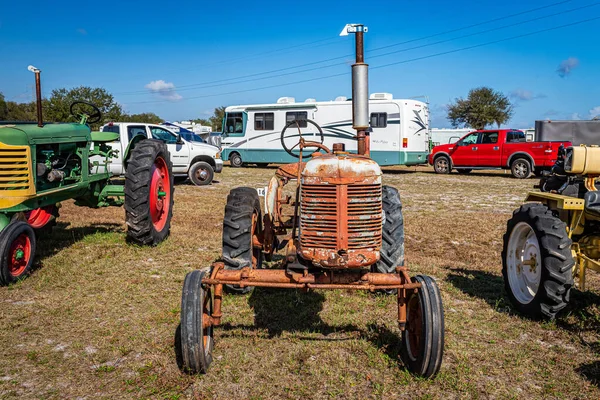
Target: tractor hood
(341, 168)
(15, 133)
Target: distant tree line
(56, 109)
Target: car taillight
(404, 142)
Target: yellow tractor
(555, 237)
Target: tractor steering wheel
(89, 118)
(302, 142)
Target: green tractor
(45, 163)
(555, 237)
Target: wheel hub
(523, 263)
(20, 252)
(202, 174)
(159, 193)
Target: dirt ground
(97, 317)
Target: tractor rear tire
(243, 219)
(423, 339)
(197, 342)
(17, 251)
(392, 246)
(149, 193)
(542, 289)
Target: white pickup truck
(198, 161)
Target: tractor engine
(340, 211)
(56, 165)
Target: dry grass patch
(97, 318)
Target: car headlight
(218, 155)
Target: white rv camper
(400, 129)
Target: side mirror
(179, 140)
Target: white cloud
(525, 95)
(567, 66)
(164, 89)
(595, 112)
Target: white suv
(198, 161)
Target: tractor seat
(592, 205)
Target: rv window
(264, 121)
(234, 123)
(378, 120)
(299, 116)
(133, 131)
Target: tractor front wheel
(149, 193)
(423, 338)
(196, 332)
(17, 251)
(537, 264)
(242, 226)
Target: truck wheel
(196, 340)
(537, 264)
(463, 171)
(392, 245)
(242, 221)
(235, 160)
(423, 339)
(149, 193)
(17, 251)
(441, 165)
(43, 219)
(201, 173)
(520, 168)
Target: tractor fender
(136, 139)
(271, 197)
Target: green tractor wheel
(537, 262)
(17, 251)
(149, 193)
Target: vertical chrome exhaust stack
(38, 94)
(360, 89)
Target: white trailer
(400, 129)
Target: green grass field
(97, 317)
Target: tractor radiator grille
(341, 217)
(14, 169)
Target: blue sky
(151, 54)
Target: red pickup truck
(501, 148)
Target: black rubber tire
(426, 359)
(235, 160)
(238, 250)
(196, 169)
(392, 244)
(520, 168)
(442, 165)
(262, 164)
(8, 235)
(557, 261)
(140, 229)
(195, 300)
(464, 171)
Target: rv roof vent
(381, 96)
(341, 98)
(310, 100)
(286, 100)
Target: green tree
(216, 121)
(56, 108)
(3, 108)
(21, 111)
(483, 106)
(149, 118)
(202, 121)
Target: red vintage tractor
(345, 232)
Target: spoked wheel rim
(39, 217)
(19, 255)
(520, 169)
(414, 337)
(523, 261)
(441, 164)
(160, 193)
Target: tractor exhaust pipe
(360, 89)
(38, 94)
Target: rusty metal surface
(38, 97)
